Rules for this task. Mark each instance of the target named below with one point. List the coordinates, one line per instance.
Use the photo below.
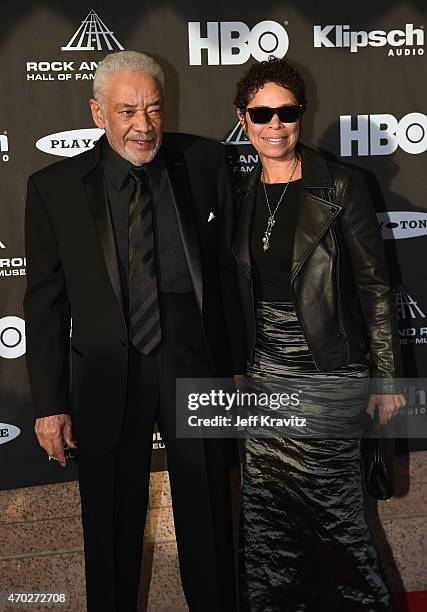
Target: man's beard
(145, 157)
(122, 149)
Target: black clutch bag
(378, 462)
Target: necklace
(272, 216)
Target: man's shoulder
(183, 143)
(65, 169)
(330, 165)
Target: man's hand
(52, 432)
(389, 406)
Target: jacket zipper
(303, 331)
(337, 281)
(254, 311)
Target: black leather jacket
(339, 280)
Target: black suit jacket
(72, 273)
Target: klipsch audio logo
(69, 143)
(8, 432)
(395, 225)
(408, 41)
(411, 318)
(92, 35)
(12, 337)
(383, 134)
(4, 147)
(233, 42)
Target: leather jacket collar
(317, 210)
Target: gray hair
(122, 61)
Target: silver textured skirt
(305, 544)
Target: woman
(317, 303)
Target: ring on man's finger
(52, 457)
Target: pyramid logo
(237, 136)
(406, 307)
(92, 35)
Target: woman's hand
(389, 406)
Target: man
(132, 241)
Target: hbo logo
(232, 42)
(382, 134)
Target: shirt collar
(117, 168)
(155, 169)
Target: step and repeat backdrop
(366, 73)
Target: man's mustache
(141, 138)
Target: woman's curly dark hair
(273, 70)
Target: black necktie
(144, 309)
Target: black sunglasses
(264, 114)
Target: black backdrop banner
(366, 73)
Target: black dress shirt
(172, 269)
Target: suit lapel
(97, 196)
(183, 202)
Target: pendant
(266, 239)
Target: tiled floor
(42, 548)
